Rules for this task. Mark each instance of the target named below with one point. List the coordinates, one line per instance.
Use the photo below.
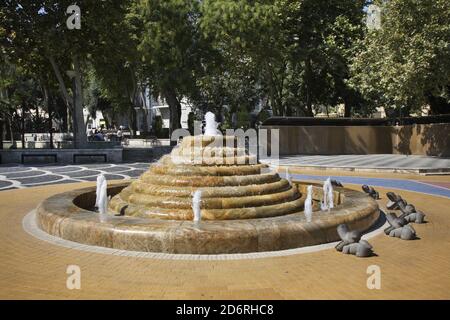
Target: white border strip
(30, 226)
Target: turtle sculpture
(405, 233)
(394, 222)
(336, 183)
(411, 214)
(395, 201)
(409, 211)
(351, 242)
(347, 236)
(416, 217)
(360, 249)
(399, 227)
(371, 191)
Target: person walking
(119, 134)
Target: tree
(171, 47)
(299, 48)
(119, 55)
(406, 63)
(248, 60)
(36, 31)
(227, 80)
(21, 99)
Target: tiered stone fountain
(244, 207)
(231, 191)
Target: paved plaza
(33, 268)
(153, 150)
(379, 162)
(23, 176)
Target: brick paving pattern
(23, 176)
(31, 268)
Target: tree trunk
(275, 92)
(3, 96)
(63, 116)
(347, 97)
(11, 131)
(50, 120)
(49, 111)
(144, 110)
(22, 127)
(438, 105)
(175, 111)
(69, 120)
(62, 85)
(308, 87)
(132, 120)
(2, 133)
(79, 128)
(74, 105)
(347, 109)
(131, 93)
(5, 129)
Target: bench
(53, 155)
(76, 155)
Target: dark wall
(418, 139)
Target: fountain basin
(69, 216)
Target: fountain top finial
(211, 125)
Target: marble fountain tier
(244, 207)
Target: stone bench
(60, 156)
(77, 155)
(29, 155)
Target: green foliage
(243, 119)
(37, 39)
(293, 57)
(172, 48)
(407, 62)
(300, 54)
(263, 115)
(118, 55)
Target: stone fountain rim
(30, 226)
(60, 217)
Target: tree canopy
(286, 57)
(406, 63)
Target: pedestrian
(119, 134)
